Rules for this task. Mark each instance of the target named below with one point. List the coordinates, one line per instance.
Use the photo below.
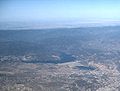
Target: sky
(59, 10)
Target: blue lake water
(85, 67)
(63, 59)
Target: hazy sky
(32, 10)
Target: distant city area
(60, 59)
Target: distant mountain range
(58, 24)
